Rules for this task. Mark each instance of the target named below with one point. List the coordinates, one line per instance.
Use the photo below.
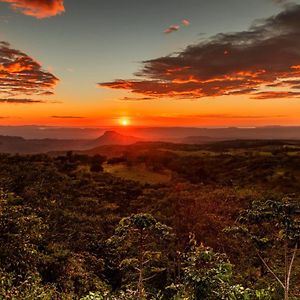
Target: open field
(137, 173)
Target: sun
(124, 122)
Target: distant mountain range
(11, 144)
(198, 140)
(152, 133)
(17, 144)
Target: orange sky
(220, 111)
(67, 63)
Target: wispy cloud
(171, 29)
(66, 117)
(276, 95)
(232, 116)
(21, 75)
(280, 1)
(241, 63)
(185, 22)
(138, 98)
(37, 8)
(207, 118)
(20, 101)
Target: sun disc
(124, 122)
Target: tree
(96, 163)
(30, 288)
(20, 233)
(273, 228)
(206, 274)
(209, 275)
(138, 240)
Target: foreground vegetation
(225, 225)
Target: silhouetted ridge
(112, 137)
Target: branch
(150, 277)
(291, 263)
(270, 270)
(145, 262)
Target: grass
(200, 153)
(137, 173)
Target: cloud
(284, 2)
(176, 27)
(138, 98)
(185, 22)
(37, 8)
(171, 29)
(229, 116)
(226, 116)
(20, 101)
(280, 1)
(276, 95)
(22, 75)
(66, 117)
(262, 62)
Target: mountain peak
(111, 133)
(111, 137)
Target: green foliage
(283, 216)
(206, 272)
(20, 233)
(61, 236)
(29, 288)
(94, 296)
(273, 228)
(209, 275)
(138, 242)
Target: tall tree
(139, 240)
(273, 228)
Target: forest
(217, 221)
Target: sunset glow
(149, 149)
(158, 79)
(124, 122)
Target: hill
(13, 144)
(113, 138)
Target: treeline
(270, 167)
(68, 230)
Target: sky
(150, 63)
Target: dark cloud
(275, 95)
(20, 101)
(138, 98)
(37, 8)
(280, 1)
(66, 117)
(241, 63)
(21, 75)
